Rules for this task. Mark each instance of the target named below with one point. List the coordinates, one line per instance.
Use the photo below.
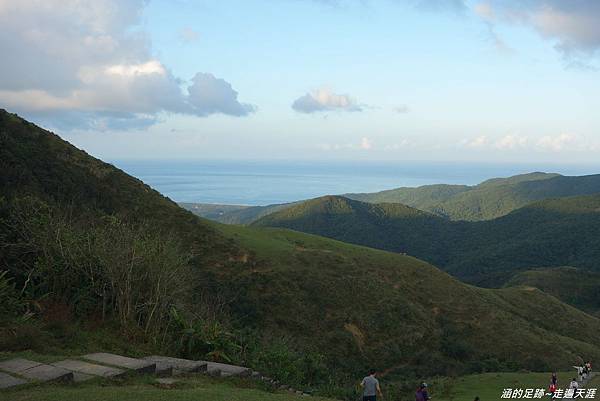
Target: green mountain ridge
(350, 307)
(489, 200)
(553, 232)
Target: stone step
(227, 370)
(137, 365)
(7, 381)
(85, 370)
(185, 365)
(36, 371)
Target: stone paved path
(10, 381)
(33, 370)
(19, 371)
(89, 370)
(138, 365)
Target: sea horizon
(265, 182)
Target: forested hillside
(557, 232)
(87, 248)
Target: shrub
(95, 264)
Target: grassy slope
(391, 310)
(357, 306)
(489, 386)
(564, 231)
(488, 200)
(574, 286)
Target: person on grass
(574, 384)
(370, 386)
(422, 394)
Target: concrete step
(36, 371)
(7, 381)
(227, 370)
(85, 370)
(184, 365)
(137, 365)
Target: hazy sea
(263, 183)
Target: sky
(473, 80)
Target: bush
(204, 339)
(11, 303)
(94, 263)
(280, 359)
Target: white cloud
(565, 142)
(558, 143)
(208, 95)
(87, 59)
(511, 142)
(404, 143)
(475, 143)
(147, 68)
(365, 143)
(324, 99)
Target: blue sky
(308, 79)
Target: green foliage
(280, 359)
(96, 264)
(11, 303)
(203, 339)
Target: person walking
(554, 379)
(579, 372)
(370, 386)
(422, 394)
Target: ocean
(268, 182)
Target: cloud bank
(565, 142)
(572, 24)
(86, 62)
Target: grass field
(489, 386)
(196, 388)
(595, 382)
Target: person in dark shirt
(422, 394)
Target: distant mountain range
(351, 305)
(490, 199)
(554, 232)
